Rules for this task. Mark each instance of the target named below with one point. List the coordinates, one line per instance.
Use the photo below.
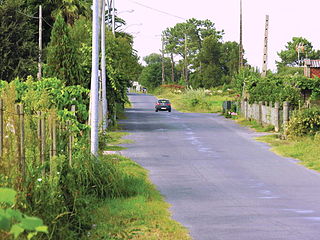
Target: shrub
(304, 122)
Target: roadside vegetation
(141, 214)
(195, 100)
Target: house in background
(311, 68)
(136, 86)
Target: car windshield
(163, 101)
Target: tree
(186, 39)
(151, 75)
(72, 9)
(297, 49)
(18, 50)
(63, 58)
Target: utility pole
(265, 49)
(113, 17)
(172, 67)
(103, 70)
(240, 43)
(40, 45)
(162, 58)
(185, 59)
(94, 100)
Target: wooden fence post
(1, 129)
(260, 112)
(54, 138)
(42, 142)
(21, 146)
(276, 116)
(285, 114)
(53, 143)
(71, 137)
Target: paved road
(221, 183)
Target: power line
(29, 16)
(46, 22)
(158, 10)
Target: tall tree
(185, 40)
(72, 9)
(296, 50)
(18, 50)
(63, 57)
(151, 75)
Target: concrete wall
(266, 113)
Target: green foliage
(194, 100)
(209, 60)
(151, 75)
(62, 58)
(273, 88)
(18, 49)
(245, 77)
(13, 222)
(141, 215)
(289, 56)
(304, 122)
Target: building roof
(313, 63)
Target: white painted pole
(103, 70)
(113, 18)
(94, 80)
(40, 45)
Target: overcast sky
(287, 19)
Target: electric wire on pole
(103, 70)
(240, 42)
(113, 17)
(40, 45)
(94, 93)
(162, 58)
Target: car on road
(163, 105)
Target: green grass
(255, 125)
(306, 149)
(141, 213)
(197, 101)
(142, 216)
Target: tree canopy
(204, 59)
(296, 50)
(18, 49)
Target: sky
(287, 19)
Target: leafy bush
(304, 122)
(13, 222)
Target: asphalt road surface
(221, 183)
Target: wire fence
(31, 142)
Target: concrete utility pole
(94, 101)
(162, 58)
(265, 49)
(40, 45)
(113, 18)
(185, 59)
(240, 42)
(103, 70)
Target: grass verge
(306, 149)
(141, 213)
(254, 125)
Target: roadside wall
(266, 113)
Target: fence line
(266, 113)
(42, 135)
